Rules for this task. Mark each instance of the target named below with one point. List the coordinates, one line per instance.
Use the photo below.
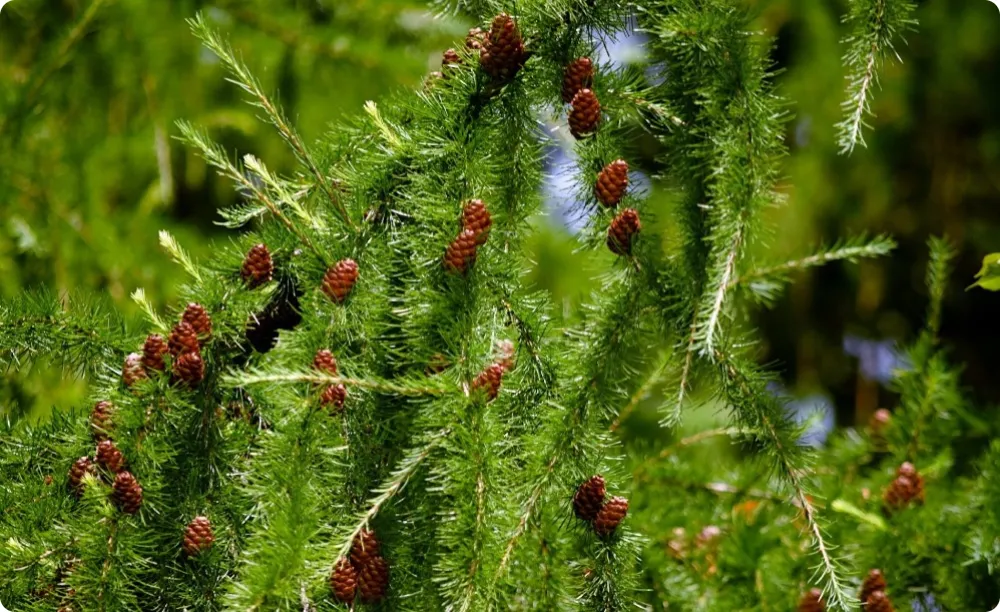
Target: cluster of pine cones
(461, 253)
(183, 346)
(585, 108)
(364, 575)
(589, 505)
(335, 395)
(612, 183)
(872, 596)
(906, 488)
(125, 489)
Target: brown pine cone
(373, 579)
(505, 354)
(343, 580)
(339, 280)
(189, 369)
(812, 601)
(475, 39)
(198, 536)
(197, 317)
(873, 582)
(334, 396)
(503, 53)
(585, 115)
(324, 361)
(450, 59)
(132, 370)
(476, 217)
(880, 420)
(612, 183)
(589, 498)
(101, 420)
(878, 602)
(908, 470)
(461, 253)
(901, 491)
(183, 339)
(153, 350)
(579, 74)
(127, 492)
(257, 266)
(489, 381)
(610, 515)
(364, 548)
(80, 468)
(109, 456)
(623, 231)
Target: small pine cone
(812, 601)
(153, 350)
(461, 253)
(339, 280)
(189, 369)
(489, 381)
(373, 579)
(475, 39)
(198, 536)
(505, 354)
(476, 217)
(908, 470)
(183, 339)
(196, 316)
(610, 515)
(364, 548)
(132, 370)
(878, 602)
(324, 361)
(334, 396)
(100, 420)
(432, 79)
(578, 75)
(127, 492)
(80, 468)
(344, 580)
(612, 183)
(585, 114)
(257, 266)
(589, 498)
(503, 53)
(900, 492)
(109, 456)
(880, 420)
(450, 59)
(623, 230)
(873, 582)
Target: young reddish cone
(257, 266)
(503, 52)
(344, 580)
(579, 74)
(610, 516)
(80, 468)
(132, 369)
(623, 231)
(476, 217)
(585, 115)
(373, 580)
(589, 498)
(127, 493)
(812, 601)
(100, 420)
(612, 183)
(197, 317)
(109, 456)
(461, 253)
(339, 280)
(183, 339)
(198, 536)
(153, 350)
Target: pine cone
(198, 536)
(189, 369)
(450, 59)
(812, 601)
(127, 492)
(476, 217)
(873, 582)
(183, 339)
(579, 74)
(623, 231)
(324, 361)
(489, 381)
(589, 498)
(610, 515)
(197, 317)
(585, 115)
(80, 468)
(343, 580)
(132, 370)
(908, 470)
(257, 266)
(109, 456)
(100, 420)
(364, 548)
(612, 183)
(475, 39)
(878, 425)
(334, 396)
(373, 579)
(432, 79)
(505, 354)
(339, 280)
(503, 53)
(153, 351)
(461, 253)
(908, 486)
(878, 602)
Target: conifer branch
(691, 440)
(178, 254)
(419, 387)
(527, 511)
(938, 272)
(245, 79)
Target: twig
(528, 510)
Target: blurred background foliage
(89, 169)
